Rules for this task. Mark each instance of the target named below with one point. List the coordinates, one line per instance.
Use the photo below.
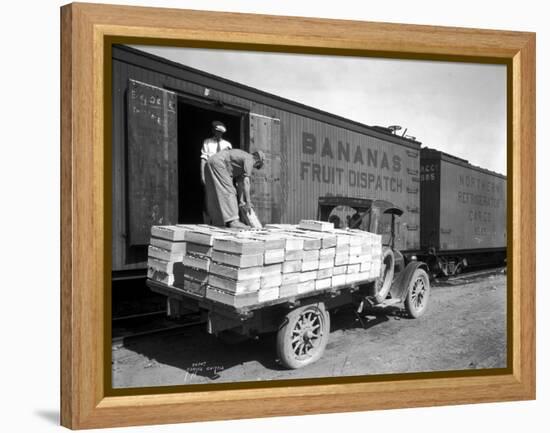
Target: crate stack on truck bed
(249, 267)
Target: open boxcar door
(152, 160)
(265, 135)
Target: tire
(303, 337)
(383, 284)
(418, 294)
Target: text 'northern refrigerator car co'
(463, 210)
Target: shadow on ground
(49, 415)
(198, 353)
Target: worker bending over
(221, 171)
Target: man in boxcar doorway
(222, 171)
(211, 146)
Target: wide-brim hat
(260, 155)
(218, 126)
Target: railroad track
(468, 277)
(139, 325)
(139, 316)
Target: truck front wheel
(302, 338)
(418, 294)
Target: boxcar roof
(434, 153)
(177, 70)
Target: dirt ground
(463, 328)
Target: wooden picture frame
(87, 33)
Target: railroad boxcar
(463, 213)
(162, 111)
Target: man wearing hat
(221, 171)
(214, 144)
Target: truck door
(265, 135)
(152, 160)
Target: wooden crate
(234, 286)
(268, 294)
(321, 226)
(171, 233)
(196, 262)
(168, 245)
(292, 266)
(198, 249)
(235, 273)
(160, 265)
(161, 277)
(274, 256)
(238, 260)
(235, 300)
(169, 256)
(238, 245)
(269, 281)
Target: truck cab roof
(328, 203)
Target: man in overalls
(221, 170)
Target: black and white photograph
(280, 216)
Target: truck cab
(403, 279)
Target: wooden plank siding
(463, 206)
(152, 160)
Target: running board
(386, 303)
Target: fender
(402, 280)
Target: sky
(458, 108)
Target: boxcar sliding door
(265, 135)
(152, 160)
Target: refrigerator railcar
(463, 213)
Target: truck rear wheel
(304, 335)
(418, 294)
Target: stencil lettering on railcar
(428, 172)
(331, 153)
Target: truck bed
(213, 305)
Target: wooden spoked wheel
(303, 337)
(418, 294)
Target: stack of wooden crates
(244, 268)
